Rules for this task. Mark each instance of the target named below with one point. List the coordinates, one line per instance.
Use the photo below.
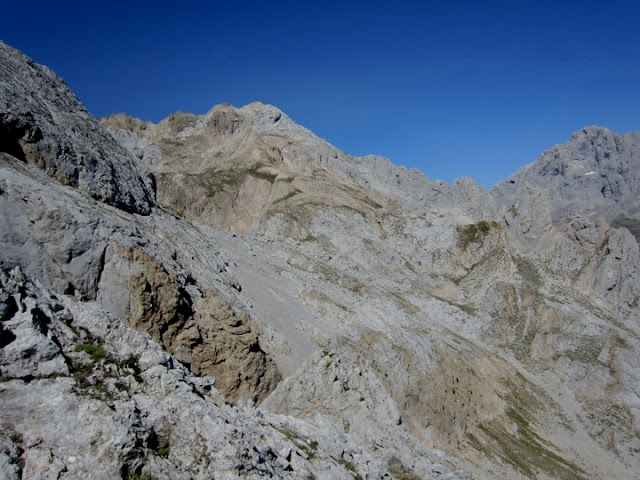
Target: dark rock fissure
(10, 135)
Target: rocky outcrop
(237, 168)
(246, 169)
(43, 123)
(84, 396)
(63, 247)
(199, 328)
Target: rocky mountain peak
(592, 131)
(594, 174)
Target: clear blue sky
(453, 88)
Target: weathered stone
(43, 123)
(201, 331)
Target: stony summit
(229, 296)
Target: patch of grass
(289, 195)
(96, 353)
(400, 472)
(81, 372)
(160, 444)
(215, 181)
(347, 465)
(587, 350)
(141, 476)
(525, 449)
(402, 303)
(289, 434)
(469, 310)
(257, 173)
(172, 141)
(309, 447)
(513, 439)
(474, 232)
(163, 451)
(409, 266)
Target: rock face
(594, 174)
(84, 396)
(385, 325)
(42, 123)
(200, 329)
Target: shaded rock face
(42, 123)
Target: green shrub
(474, 232)
(163, 451)
(163, 448)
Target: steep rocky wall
(63, 247)
(199, 328)
(43, 123)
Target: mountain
(230, 296)
(596, 174)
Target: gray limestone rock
(43, 123)
(121, 407)
(594, 174)
(62, 247)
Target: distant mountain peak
(596, 173)
(591, 131)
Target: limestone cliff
(42, 123)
